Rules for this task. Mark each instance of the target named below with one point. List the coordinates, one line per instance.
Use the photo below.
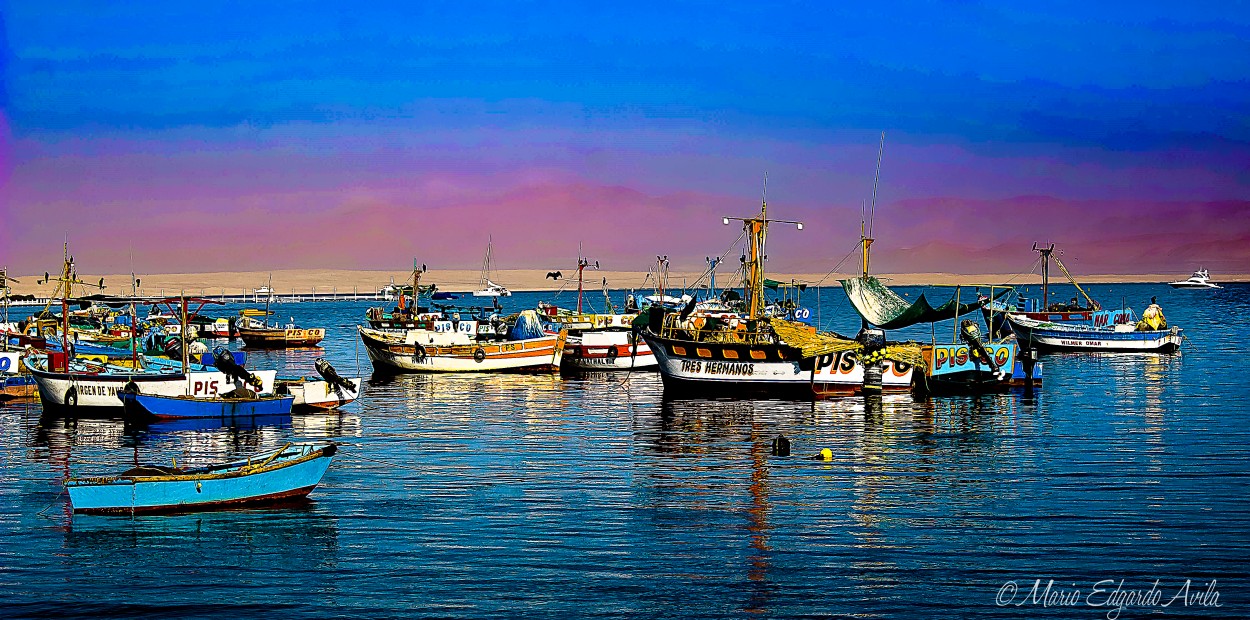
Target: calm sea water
(496, 495)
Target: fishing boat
(598, 341)
(487, 287)
(14, 382)
(1073, 312)
(260, 335)
(86, 387)
(407, 313)
(459, 346)
(759, 356)
(222, 407)
(1050, 336)
(1200, 279)
(288, 473)
(331, 392)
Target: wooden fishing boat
(217, 407)
(599, 341)
(82, 386)
(758, 356)
(460, 349)
(258, 334)
(288, 473)
(1048, 336)
(265, 337)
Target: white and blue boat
(1049, 336)
(220, 407)
(286, 474)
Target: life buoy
(502, 329)
(479, 355)
(71, 397)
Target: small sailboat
(1200, 279)
(288, 473)
(489, 288)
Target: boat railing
(710, 329)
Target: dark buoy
(781, 446)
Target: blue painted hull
(281, 475)
(218, 408)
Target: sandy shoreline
(343, 282)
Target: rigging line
(1073, 281)
(1030, 271)
(708, 271)
(837, 266)
(876, 178)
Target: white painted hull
(395, 354)
(100, 391)
(828, 375)
(607, 350)
(321, 394)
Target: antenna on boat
(876, 178)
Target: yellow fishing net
(811, 342)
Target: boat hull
(391, 352)
(319, 395)
(281, 338)
(1052, 337)
(216, 408)
(607, 350)
(716, 370)
(86, 391)
(14, 383)
(230, 486)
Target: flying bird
(554, 275)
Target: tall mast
(268, 296)
(1045, 252)
(183, 320)
(756, 229)
(4, 292)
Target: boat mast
(1045, 252)
(486, 262)
(756, 229)
(4, 292)
(268, 296)
(581, 264)
(183, 299)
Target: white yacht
(1200, 279)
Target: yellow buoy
(826, 454)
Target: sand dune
(365, 282)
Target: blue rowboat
(288, 473)
(220, 408)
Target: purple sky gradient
(346, 141)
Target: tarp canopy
(883, 307)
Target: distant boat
(1200, 279)
(285, 474)
(219, 407)
(14, 383)
(490, 289)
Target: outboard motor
(331, 376)
(224, 361)
(873, 341)
(172, 348)
(971, 334)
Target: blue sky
(1077, 101)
